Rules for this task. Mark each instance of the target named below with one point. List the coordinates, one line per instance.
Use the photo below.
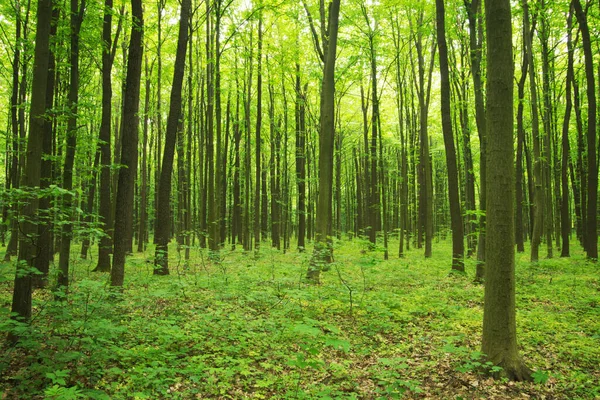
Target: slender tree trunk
(547, 123)
(565, 219)
(258, 141)
(237, 212)
(538, 193)
(580, 167)
(143, 231)
(124, 198)
(475, 42)
(425, 168)
(275, 137)
(211, 159)
(89, 206)
(105, 243)
(163, 208)
(220, 191)
(519, 229)
(76, 19)
(591, 242)
(13, 163)
(301, 160)
(458, 248)
(247, 155)
(323, 250)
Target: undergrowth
(248, 326)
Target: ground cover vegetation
(253, 328)
(273, 188)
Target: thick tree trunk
(499, 342)
(42, 262)
(30, 178)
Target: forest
(299, 199)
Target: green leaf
(338, 344)
(540, 376)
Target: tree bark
(129, 144)
(323, 251)
(30, 178)
(105, 243)
(565, 217)
(499, 342)
(76, 19)
(591, 242)
(163, 208)
(458, 248)
(475, 42)
(301, 160)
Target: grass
(249, 327)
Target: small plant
(540, 377)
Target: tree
(476, 43)
(425, 178)
(323, 252)
(21, 300)
(458, 247)
(77, 11)
(565, 219)
(129, 144)
(499, 316)
(108, 56)
(538, 193)
(301, 158)
(161, 238)
(42, 261)
(591, 233)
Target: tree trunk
(499, 342)
(458, 248)
(591, 242)
(71, 142)
(258, 142)
(163, 208)
(129, 144)
(142, 228)
(565, 219)
(30, 178)
(538, 193)
(323, 251)
(475, 43)
(105, 243)
(42, 262)
(519, 229)
(301, 160)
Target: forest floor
(249, 327)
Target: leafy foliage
(249, 327)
